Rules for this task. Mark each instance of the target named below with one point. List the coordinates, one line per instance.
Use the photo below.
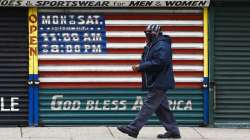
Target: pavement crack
(110, 132)
(199, 133)
(21, 131)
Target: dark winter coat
(156, 65)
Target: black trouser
(155, 101)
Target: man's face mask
(150, 35)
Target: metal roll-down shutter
(13, 66)
(100, 88)
(231, 65)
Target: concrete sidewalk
(111, 133)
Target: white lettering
(86, 37)
(92, 37)
(116, 105)
(55, 104)
(87, 48)
(96, 48)
(67, 105)
(123, 104)
(96, 105)
(81, 20)
(90, 105)
(72, 21)
(179, 103)
(92, 48)
(138, 103)
(76, 105)
(46, 20)
(90, 21)
(14, 104)
(2, 105)
(9, 104)
(63, 20)
(188, 105)
(55, 20)
(106, 104)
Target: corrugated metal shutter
(13, 66)
(232, 67)
(66, 78)
(112, 106)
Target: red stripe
(129, 16)
(188, 74)
(108, 85)
(89, 85)
(188, 62)
(142, 40)
(88, 74)
(110, 74)
(87, 62)
(164, 28)
(189, 85)
(188, 51)
(111, 62)
(125, 51)
(139, 51)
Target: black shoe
(127, 130)
(168, 135)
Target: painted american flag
(124, 44)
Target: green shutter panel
(232, 65)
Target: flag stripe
(110, 68)
(142, 34)
(129, 16)
(142, 39)
(142, 45)
(160, 22)
(113, 74)
(113, 57)
(164, 28)
(110, 79)
(139, 51)
(111, 62)
(108, 85)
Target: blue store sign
(71, 34)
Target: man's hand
(135, 67)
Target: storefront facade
(80, 61)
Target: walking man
(157, 77)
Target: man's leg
(166, 117)
(150, 104)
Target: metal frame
(211, 63)
(33, 69)
(205, 64)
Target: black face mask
(150, 37)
